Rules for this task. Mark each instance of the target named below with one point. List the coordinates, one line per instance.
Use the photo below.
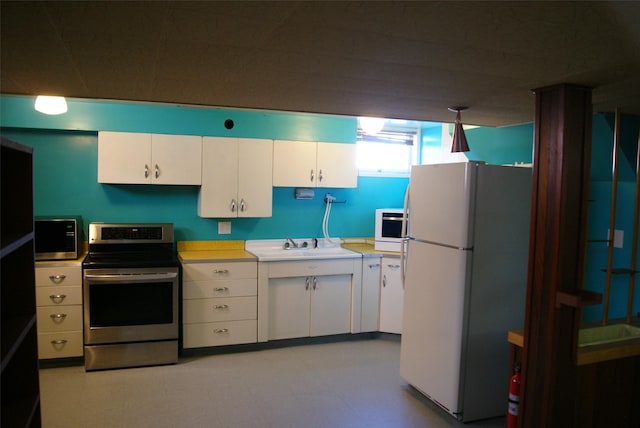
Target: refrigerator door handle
(404, 254)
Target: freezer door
(441, 203)
(432, 336)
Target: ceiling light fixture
(51, 105)
(459, 139)
(371, 125)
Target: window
(388, 153)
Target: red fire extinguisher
(514, 399)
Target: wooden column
(562, 158)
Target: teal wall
(499, 146)
(65, 165)
(600, 192)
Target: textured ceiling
(406, 60)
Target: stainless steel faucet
(292, 243)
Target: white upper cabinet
(337, 165)
(139, 158)
(236, 177)
(176, 159)
(309, 164)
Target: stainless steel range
(130, 289)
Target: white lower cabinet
(219, 303)
(391, 296)
(59, 309)
(370, 315)
(308, 298)
(309, 306)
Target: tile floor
(339, 385)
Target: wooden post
(562, 158)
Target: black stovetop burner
(130, 246)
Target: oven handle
(129, 276)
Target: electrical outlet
(224, 227)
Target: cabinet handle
(57, 298)
(374, 265)
(394, 266)
(146, 171)
(221, 307)
(59, 342)
(242, 205)
(57, 317)
(306, 287)
(221, 330)
(311, 176)
(220, 289)
(221, 272)
(57, 278)
(384, 280)
(157, 171)
(320, 176)
(315, 282)
(233, 205)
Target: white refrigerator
(464, 283)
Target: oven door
(130, 305)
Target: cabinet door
(294, 163)
(391, 295)
(289, 307)
(336, 165)
(330, 305)
(176, 159)
(255, 170)
(370, 294)
(124, 157)
(218, 193)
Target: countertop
(595, 353)
(218, 251)
(203, 251)
(366, 247)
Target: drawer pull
(221, 289)
(57, 298)
(221, 271)
(221, 330)
(59, 342)
(221, 307)
(374, 265)
(57, 317)
(57, 278)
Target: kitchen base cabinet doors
(59, 310)
(309, 306)
(391, 296)
(219, 303)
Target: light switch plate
(224, 227)
(618, 238)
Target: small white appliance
(465, 283)
(388, 233)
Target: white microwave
(388, 236)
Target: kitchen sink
(274, 250)
(607, 334)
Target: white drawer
(220, 333)
(220, 288)
(286, 269)
(58, 275)
(228, 270)
(222, 309)
(59, 318)
(58, 296)
(60, 345)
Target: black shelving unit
(20, 394)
